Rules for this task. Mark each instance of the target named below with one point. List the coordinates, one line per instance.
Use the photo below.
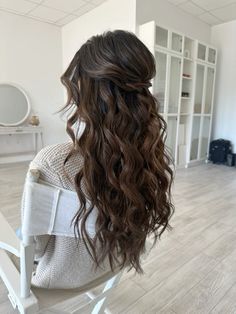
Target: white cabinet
(184, 87)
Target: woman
(118, 164)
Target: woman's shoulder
(51, 163)
(54, 156)
(51, 153)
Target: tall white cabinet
(184, 87)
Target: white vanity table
(15, 109)
(35, 131)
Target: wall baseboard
(16, 157)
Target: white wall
(224, 122)
(31, 56)
(111, 15)
(164, 13)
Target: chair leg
(26, 268)
(100, 306)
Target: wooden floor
(193, 269)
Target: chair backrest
(46, 209)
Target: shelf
(185, 113)
(172, 114)
(188, 59)
(186, 78)
(186, 98)
(167, 50)
(161, 48)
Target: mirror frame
(28, 103)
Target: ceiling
(211, 12)
(61, 12)
(57, 12)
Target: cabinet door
(195, 138)
(161, 37)
(171, 135)
(205, 137)
(199, 89)
(174, 84)
(212, 55)
(209, 90)
(188, 47)
(160, 79)
(183, 139)
(177, 42)
(201, 52)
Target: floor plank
(203, 297)
(227, 304)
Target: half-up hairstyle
(126, 173)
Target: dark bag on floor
(219, 149)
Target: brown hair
(126, 170)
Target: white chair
(44, 213)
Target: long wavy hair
(126, 170)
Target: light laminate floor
(193, 269)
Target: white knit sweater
(63, 263)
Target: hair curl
(126, 172)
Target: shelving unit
(184, 87)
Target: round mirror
(14, 105)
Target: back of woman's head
(125, 173)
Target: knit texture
(63, 262)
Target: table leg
(35, 142)
(41, 138)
